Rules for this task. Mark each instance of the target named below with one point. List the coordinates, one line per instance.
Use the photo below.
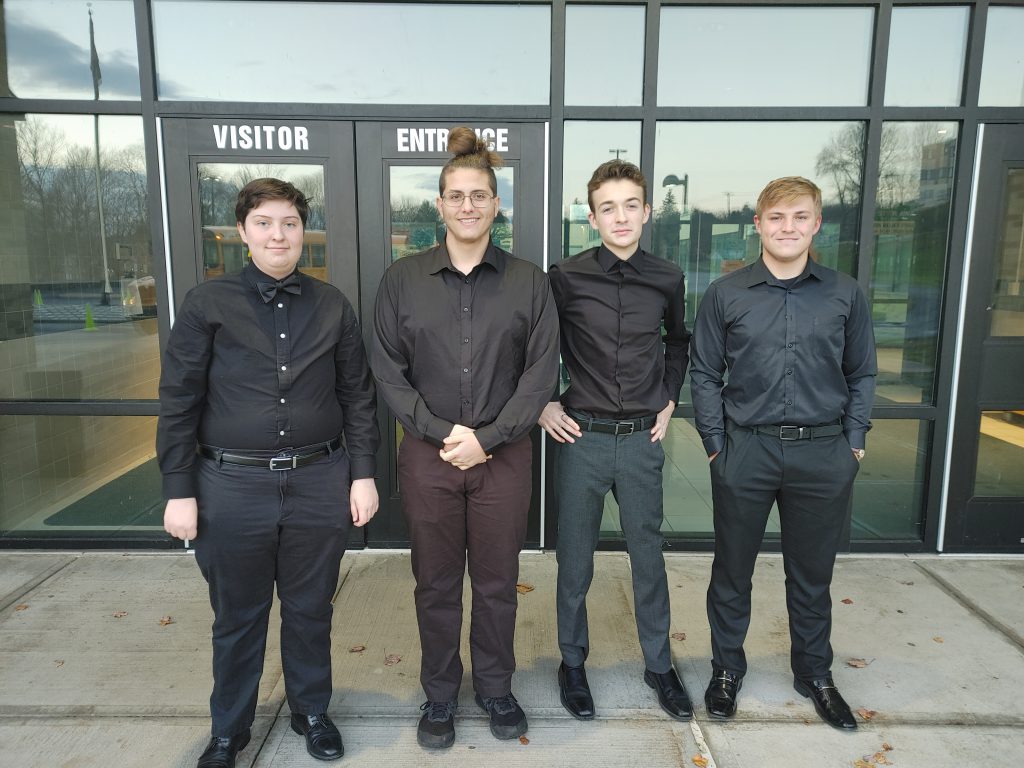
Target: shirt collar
(608, 260)
(253, 275)
(439, 259)
(758, 273)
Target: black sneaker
(507, 718)
(437, 726)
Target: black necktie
(269, 288)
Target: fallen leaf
(391, 659)
(907, 583)
(522, 588)
(523, 740)
(700, 761)
(165, 620)
(120, 614)
(862, 764)
(867, 714)
(913, 645)
(880, 759)
(678, 635)
(887, 746)
(21, 607)
(899, 610)
(846, 601)
(59, 662)
(938, 640)
(357, 649)
(858, 663)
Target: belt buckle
(623, 424)
(282, 463)
(793, 434)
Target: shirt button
(279, 305)
(465, 341)
(790, 345)
(284, 367)
(465, 309)
(281, 433)
(282, 399)
(789, 371)
(282, 335)
(789, 402)
(465, 370)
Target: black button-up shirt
(612, 315)
(245, 374)
(480, 350)
(802, 354)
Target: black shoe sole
(430, 741)
(577, 715)
(666, 710)
(504, 732)
(805, 691)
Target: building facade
(128, 126)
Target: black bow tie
(269, 288)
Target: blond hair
(786, 190)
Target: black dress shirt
(247, 374)
(611, 314)
(802, 355)
(480, 350)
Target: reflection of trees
(217, 195)
(62, 219)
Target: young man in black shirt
(783, 376)
(624, 344)
(465, 352)
(267, 441)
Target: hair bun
(464, 141)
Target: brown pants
(480, 513)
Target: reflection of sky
(419, 182)
(926, 56)
(587, 145)
(116, 132)
(764, 56)
(353, 52)
(730, 163)
(615, 78)
(48, 48)
(1002, 68)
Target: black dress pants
(453, 516)
(258, 527)
(812, 481)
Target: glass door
(986, 485)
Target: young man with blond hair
(783, 377)
(624, 345)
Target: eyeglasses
(479, 199)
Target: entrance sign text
(278, 137)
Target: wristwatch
(859, 453)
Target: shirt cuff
(856, 438)
(362, 467)
(488, 437)
(437, 431)
(180, 485)
(714, 444)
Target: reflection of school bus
(224, 251)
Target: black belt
(279, 463)
(790, 432)
(611, 426)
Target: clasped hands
(462, 449)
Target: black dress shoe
(322, 738)
(830, 705)
(671, 694)
(221, 751)
(720, 697)
(574, 691)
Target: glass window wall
(78, 300)
(761, 56)
(1000, 454)
(889, 493)
(614, 75)
(69, 49)
(1007, 301)
(927, 47)
(358, 53)
(1002, 65)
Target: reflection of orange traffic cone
(90, 324)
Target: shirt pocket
(829, 335)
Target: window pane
(587, 145)
(913, 202)
(888, 495)
(617, 79)
(49, 56)
(65, 474)
(777, 57)
(926, 57)
(363, 53)
(1008, 293)
(1002, 66)
(78, 301)
(219, 185)
(1000, 454)
(414, 223)
(706, 225)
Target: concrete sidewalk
(89, 676)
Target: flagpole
(97, 78)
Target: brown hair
(786, 190)
(470, 151)
(611, 171)
(259, 191)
